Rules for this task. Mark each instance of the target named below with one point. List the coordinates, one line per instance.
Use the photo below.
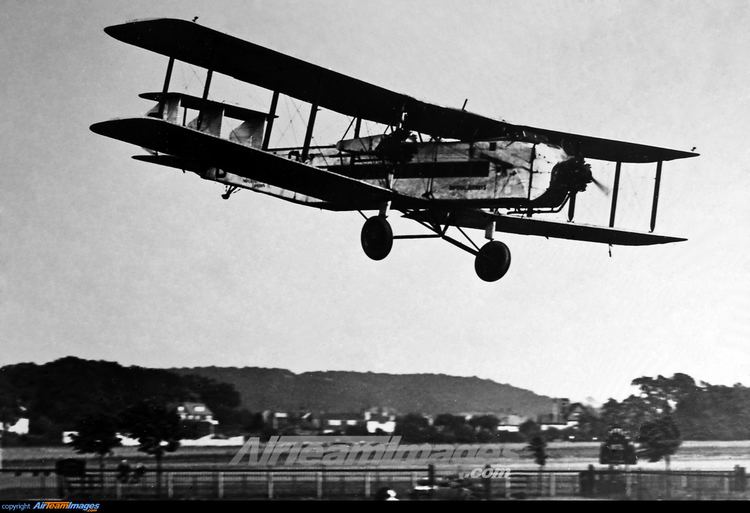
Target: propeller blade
(601, 186)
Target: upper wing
(210, 151)
(529, 226)
(202, 46)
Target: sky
(104, 257)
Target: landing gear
(492, 261)
(377, 237)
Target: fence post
(170, 485)
(220, 485)
(118, 490)
(319, 484)
(628, 484)
(638, 487)
(413, 479)
(699, 482)
(669, 485)
(507, 485)
(740, 480)
(270, 484)
(726, 485)
(368, 484)
(552, 484)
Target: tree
(538, 449)
(413, 428)
(661, 394)
(97, 434)
(528, 429)
(157, 429)
(449, 421)
(628, 415)
(590, 425)
(488, 422)
(553, 434)
(10, 410)
(659, 439)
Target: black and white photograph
(374, 250)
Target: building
(510, 423)
(277, 420)
(197, 413)
(564, 415)
(21, 427)
(380, 420)
(339, 422)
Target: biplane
(444, 168)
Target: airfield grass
(693, 455)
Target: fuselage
(484, 174)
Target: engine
(572, 175)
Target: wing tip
(123, 31)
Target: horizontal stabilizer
(558, 230)
(196, 103)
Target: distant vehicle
(617, 449)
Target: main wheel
(377, 238)
(492, 261)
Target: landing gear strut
(377, 237)
(492, 261)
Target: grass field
(563, 456)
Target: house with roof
(338, 422)
(380, 420)
(563, 415)
(510, 423)
(197, 414)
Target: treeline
(700, 411)
(415, 428)
(56, 395)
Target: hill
(341, 391)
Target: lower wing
(205, 150)
(558, 230)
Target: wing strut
(614, 195)
(530, 210)
(571, 206)
(656, 195)
(165, 89)
(206, 88)
(269, 124)
(309, 132)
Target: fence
(359, 483)
(286, 483)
